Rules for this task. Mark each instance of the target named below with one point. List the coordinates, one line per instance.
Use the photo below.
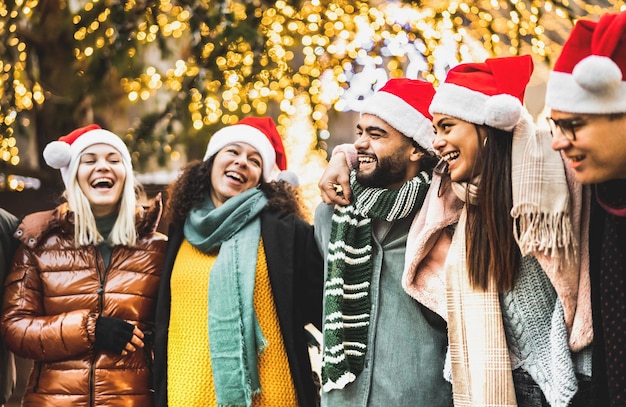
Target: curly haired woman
(241, 279)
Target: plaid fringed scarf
(347, 302)
(479, 357)
(540, 197)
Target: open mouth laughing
(235, 176)
(451, 156)
(365, 159)
(102, 183)
(576, 158)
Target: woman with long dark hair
(518, 315)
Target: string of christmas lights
(211, 63)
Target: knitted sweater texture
(531, 314)
(189, 361)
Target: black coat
(296, 274)
(8, 244)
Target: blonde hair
(86, 232)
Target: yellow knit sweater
(190, 380)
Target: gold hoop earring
(485, 141)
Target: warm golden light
(227, 60)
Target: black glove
(113, 333)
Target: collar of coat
(39, 224)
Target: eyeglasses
(567, 127)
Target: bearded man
(380, 346)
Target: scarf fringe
(254, 392)
(340, 383)
(550, 234)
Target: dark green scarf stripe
(347, 302)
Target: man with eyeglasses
(587, 97)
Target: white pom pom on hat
(503, 111)
(289, 177)
(597, 74)
(488, 93)
(589, 77)
(57, 154)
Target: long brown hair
(492, 253)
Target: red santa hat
(488, 93)
(63, 154)
(590, 74)
(403, 104)
(261, 133)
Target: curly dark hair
(284, 197)
(194, 183)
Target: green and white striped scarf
(347, 301)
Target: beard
(389, 170)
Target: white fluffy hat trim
(500, 111)
(99, 136)
(242, 133)
(595, 86)
(402, 117)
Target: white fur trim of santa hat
(242, 133)
(62, 156)
(501, 111)
(595, 86)
(589, 75)
(402, 117)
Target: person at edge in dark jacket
(8, 244)
(80, 297)
(587, 97)
(241, 279)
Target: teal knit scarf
(347, 302)
(235, 337)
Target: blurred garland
(202, 64)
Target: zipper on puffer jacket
(38, 369)
(92, 373)
(102, 276)
(102, 280)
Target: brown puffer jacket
(53, 295)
